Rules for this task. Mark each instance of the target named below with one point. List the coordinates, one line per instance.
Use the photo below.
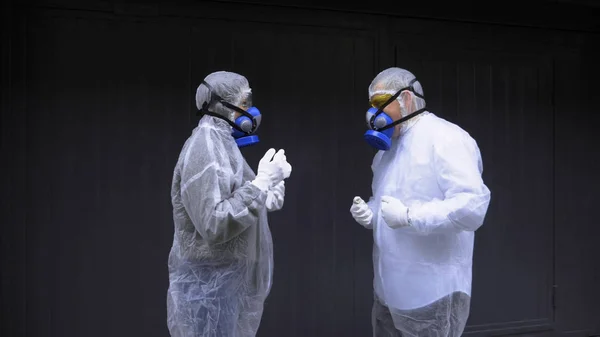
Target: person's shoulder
(444, 130)
(447, 136)
(210, 132)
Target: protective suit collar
(218, 124)
(407, 125)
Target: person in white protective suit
(428, 199)
(221, 262)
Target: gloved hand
(275, 197)
(282, 160)
(394, 212)
(361, 212)
(270, 172)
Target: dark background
(98, 98)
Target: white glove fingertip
(279, 155)
(269, 154)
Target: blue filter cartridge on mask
(245, 123)
(381, 140)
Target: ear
(407, 99)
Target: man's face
(393, 109)
(245, 104)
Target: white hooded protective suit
(221, 261)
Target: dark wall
(97, 101)
(576, 172)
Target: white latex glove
(361, 212)
(282, 160)
(275, 197)
(270, 172)
(394, 213)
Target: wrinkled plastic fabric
(275, 197)
(434, 168)
(452, 311)
(220, 264)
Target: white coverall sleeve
(218, 213)
(457, 164)
(275, 197)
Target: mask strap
(403, 119)
(412, 88)
(213, 114)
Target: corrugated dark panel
(306, 86)
(106, 119)
(111, 114)
(110, 101)
(577, 167)
(13, 139)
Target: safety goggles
(379, 101)
(246, 102)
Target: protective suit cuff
(255, 194)
(423, 225)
